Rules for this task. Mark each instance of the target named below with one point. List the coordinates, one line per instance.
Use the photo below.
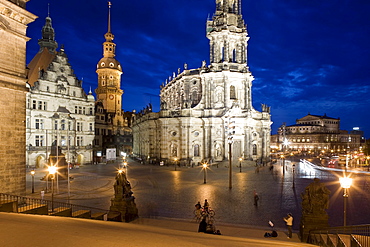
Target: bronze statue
(315, 199)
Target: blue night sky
(306, 56)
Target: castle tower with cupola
(109, 75)
(111, 125)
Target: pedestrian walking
(206, 205)
(42, 195)
(256, 198)
(289, 222)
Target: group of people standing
(206, 224)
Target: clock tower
(109, 72)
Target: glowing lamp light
(120, 171)
(33, 172)
(345, 182)
(52, 169)
(205, 165)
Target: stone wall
(13, 25)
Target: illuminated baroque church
(202, 110)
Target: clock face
(111, 96)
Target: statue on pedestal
(123, 205)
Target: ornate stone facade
(316, 134)
(14, 19)
(203, 108)
(112, 123)
(58, 109)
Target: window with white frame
(39, 123)
(63, 124)
(79, 126)
(79, 140)
(39, 140)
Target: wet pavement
(162, 192)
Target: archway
(80, 159)
(40, 161)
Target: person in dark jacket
(202, 225)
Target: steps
(24, 205)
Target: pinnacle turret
(48, 37)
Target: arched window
(222, 54)
(232, 92)
(234, 56)
(194, 97)
(254, 149)
(196, 150)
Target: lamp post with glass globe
(345, 183)
(285, 144)
(33, 181)
(175, 162)
(240, 164)
(205, 166)
(52, 170)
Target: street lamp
(345, 182)
(240, 164)
(285, 144)
(175, 161)
(230, 141)
(293, 170)
(52, 170)
(205, 165)
(125, 166)
(33, 181)
(283, 163)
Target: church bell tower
(109, 72)
(227, 33)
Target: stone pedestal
(315, 201)
(126, 207)
(123, 206)
(312, 222)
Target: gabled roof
(63, 109)
(310, 117)
(41, 61)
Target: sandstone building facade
(202, 110)
(14, 19)
(59, 112)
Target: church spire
(48, 36)
(109, 46)
(109, 6)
